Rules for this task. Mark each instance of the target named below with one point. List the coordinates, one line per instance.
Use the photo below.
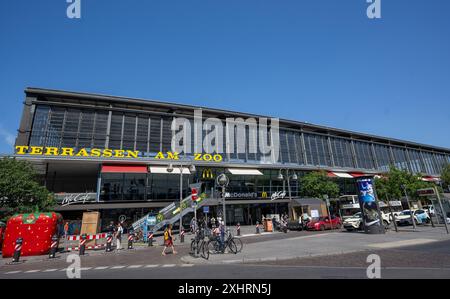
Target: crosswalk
(100, 268)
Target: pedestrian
(119, 233)
(168, 240)
(66, 229)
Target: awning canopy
(348, 175)
(430, 179)
(163, 170)
(244, 171)
(124, 169)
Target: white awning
(163, 170)
(343, 175)
(244, 171)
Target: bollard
(182, 235)
(82, 244)
(17, 250)
(53, 247)
(257, 227)
(238, 229)
(130, 240)
(150, 239)
(109, 238)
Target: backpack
(166, 235)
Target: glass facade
(55, 126)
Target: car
(420, 217)
(430, 210)
(323, 223)
(355, 222)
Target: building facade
(111, 154)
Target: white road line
(32, 271)
(168, 265)
(13, 272)
(151, 266)
(86, 268)
(64, 269)
(135, 266)
(118, 267)
(187, 265)
(100, 268)
(50, 270)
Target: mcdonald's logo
(264, 194)
(207, 174)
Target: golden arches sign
(207, 174)
(264, 194)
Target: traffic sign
(206, 209)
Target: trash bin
(268, 225)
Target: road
(419, 261)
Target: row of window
(82, 128)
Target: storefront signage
(278, 195)
(241, 195)
(426, 192)
(75, 198)
(106, 153)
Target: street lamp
(170, 169)
(222, 181)
(289, 177)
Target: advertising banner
(369, 207)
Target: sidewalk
(323, 245)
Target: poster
(369, 206)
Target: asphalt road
(421, 261)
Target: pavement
(423, 253)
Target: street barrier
(182, 235)
(17, 250)
(53, 247)
(130, 240)
(238, 229)
(82, 244)
(88, 237)
(109, 239)
(150, 239)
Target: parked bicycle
(234, 245)
(199, 245)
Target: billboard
(370, 208)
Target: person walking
(119, 233)
(168, 240)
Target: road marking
(32, 271)
(118, 267)
(135, 266)
(50, 270)
(63, 269)
(151, 266)
(168, 265)
(100, 268)
(86, 268)
(187, 265)
(402, 243)
(13, 272)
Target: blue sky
(323, 62)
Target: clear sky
(323, 62)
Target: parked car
(420, 217)
(355, 222)
(324, 223)
(430, 210)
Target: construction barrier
(17, 250)
(87, 237)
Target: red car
(324, 223)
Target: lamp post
(222, 181)
(409, 206)
(170, 169)
(294, 177)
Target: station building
(111, 154)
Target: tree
(391, 185)
(19, 190)
(317, 184)
(445, 175)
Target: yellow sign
(207, 174)
(264, 194)
(70, 152)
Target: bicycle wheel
(238, 243)
(194, 246)
(232, 246)
(212, 246)
(205, 251)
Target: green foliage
(317, 184)
(391, 185)
(445, 175)
(19, 190)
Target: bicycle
(199, 245)
(215, 246)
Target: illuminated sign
(207, 174)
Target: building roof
(175, 107)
